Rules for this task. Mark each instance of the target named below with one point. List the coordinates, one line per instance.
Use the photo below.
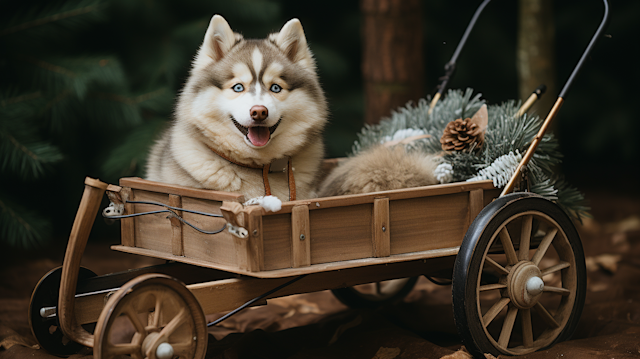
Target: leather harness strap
(265, 174)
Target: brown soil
(316, 325)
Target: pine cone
(460, 135)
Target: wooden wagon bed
(306, 236)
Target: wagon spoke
(494, 310)
(507, 326)
(525, 238)
(495, 265)
(157, 311)
(544, 245)
(555, 268)
(546, 316)
(135, 320)
(487, 287)
(174, 323)
(557, 290)
(527, 329)
(507, 245)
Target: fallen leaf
(344, 327)
(460, 354)
(628, 224)
(608, 262)
(387, 353)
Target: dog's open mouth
(258, 135)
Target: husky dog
(380, 168)
(246, 104)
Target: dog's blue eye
(238, 88)
(276, 88)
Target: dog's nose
(259, 113)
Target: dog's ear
(293, 43)
(217, 41)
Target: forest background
(86, 85)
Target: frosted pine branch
(500, 171)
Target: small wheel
(375, 295)
(519, 280)
(164, 316)
(42, 314)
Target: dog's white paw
(269, 203)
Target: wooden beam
(300, 237)
(381, 231)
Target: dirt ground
(317, 325)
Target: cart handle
(450, 67)
(93, 191)
(556, 107)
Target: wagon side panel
(425, 223)
(276, 239)
(152, 231)
(341, 233)
(216, 248)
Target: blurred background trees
(86, 85)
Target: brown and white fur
(380, 168)
(212, 114)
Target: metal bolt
(317, 204)
(384, 229)
(255, 232)
(302, 237)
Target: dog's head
(256, 99)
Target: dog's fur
(210, 114)
(380, 169)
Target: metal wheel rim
(568, 274)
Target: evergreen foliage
(506, 137)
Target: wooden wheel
(519, 279)
(42, 314)
(374, 295)
(164, 318)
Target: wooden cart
(515, 260)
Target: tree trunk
(536, 56)
(392, 63)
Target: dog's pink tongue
(259, 136)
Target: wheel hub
(525, 284)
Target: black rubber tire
(47, 330)
(354, 299)
(467, 266)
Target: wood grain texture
(421, 224)
(127, 225)
(341, 233)
(381, 228)
(152, 231)
(86, 215)
(289, 272)
(176, 226)
(476, 203)
(255, 249)
(276, 234)
(227, 294)
(139, 183)
(300, 237)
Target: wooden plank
(476, 203)
(340, 234)
(227, 294)
(127, 225)
(421, 224)
(288, 272)
(152, 231)
(276, 237)
(255, 246)
(139, 183)
(216, 248)
(356, 199)
(381, 228)
(176, 226)
(300, 237)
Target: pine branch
(20, 227)
(23, 21)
